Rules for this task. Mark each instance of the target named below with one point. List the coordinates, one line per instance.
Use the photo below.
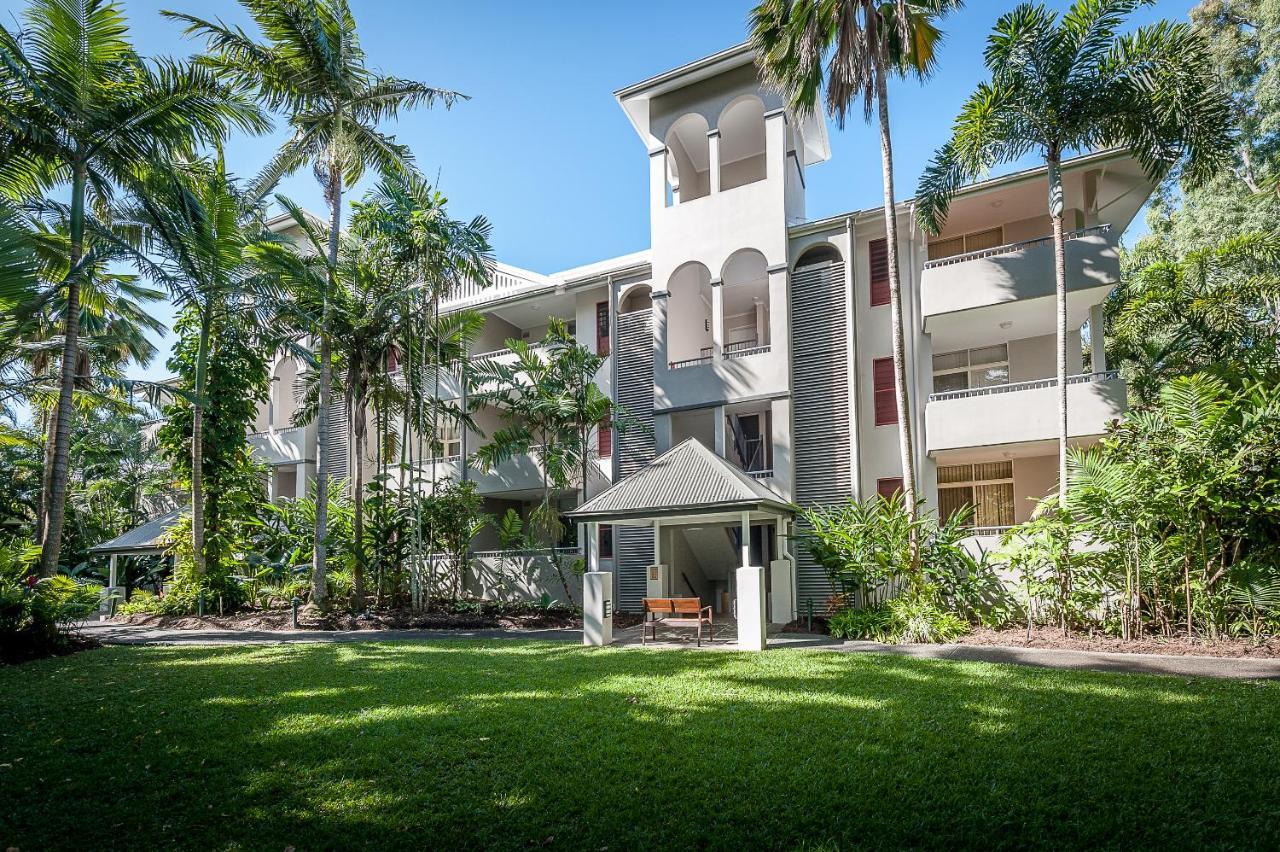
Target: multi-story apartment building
(765, 337)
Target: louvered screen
(336, 460)
(634, 447)
(879, 253)
(820, 403)
(886, 395)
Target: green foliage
(1186, 499)
(910, 618)
(454, 515)
(35, 612)
(871, 623)
(236, 385)
(284, 531)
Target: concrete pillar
(745, 526)
(656, 585)
(718, 427)
(717, 317)
(752, 629)
(657, 179)
(1097, 338)
(782, 608)
(597, 608)
(713, 155)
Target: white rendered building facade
(766, 337)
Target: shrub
(909, 618)
(871, 623)
(35, 612)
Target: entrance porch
(718, 536)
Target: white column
(656, 585)
(781, 580)
(1097, 338)
(597, 608)
(593, 549)
(713, 155)
(751, 596)
(718, 427)
(111, 573)
(717, 317)
(300, 481)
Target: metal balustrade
(1012, 387)
(1009, 248)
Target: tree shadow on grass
(506, 745)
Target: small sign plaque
(608, 608)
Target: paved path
(1223, 667)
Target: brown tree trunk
(55, 501)
(359, 426)
(1060, 282)
(197, 446)
(897, 328)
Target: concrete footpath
(1245, 668)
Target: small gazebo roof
(687, 479)
(145, 539)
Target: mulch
(1177, 646)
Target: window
(752, 441)
(886, 394)
(449, 439)
(987, 487)
(604, 438)
(879, 252)
(606, 541)
(971, 368)
(965, 243)
(890, 487)
(602, 328)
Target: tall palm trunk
(55, 505)
(359, 427)
(319, 593)
(1060, 281)
(197, 444)
(895, 319)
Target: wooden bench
(676, 612)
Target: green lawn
(512, 745)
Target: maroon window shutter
(602, 328)
(879, 251)
(604, 438)
(606, 541)
(886, 396)
(889, 487)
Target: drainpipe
(851, 358)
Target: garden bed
(484, 618)
(1175, 646)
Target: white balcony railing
(1013, 387)
(500, 353)
(766, 473)
(505, 281)
(1009, 248)
(745, 348)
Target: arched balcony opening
(746, 304)
(742, 143)
(689, 338)
(688, 159)
(284, 397)
(637, 298)
(823, 254)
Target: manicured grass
(509, 745)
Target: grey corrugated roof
(149, 536)
(686, 479)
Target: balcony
(1018, 271)
(1022, 412)
(505, 282)
(280, 446)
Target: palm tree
(1074, 85)
(312, 66)
(83, 110)
(861, 42)
(199, 225)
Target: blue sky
(542, 148)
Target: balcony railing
(1009, 248)
(704, 357)
(498, 353)
(766, 473)
(744, 348)
(991, 390)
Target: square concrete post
(713, 156)
(597, 608)
(717, 317)
(1097, 334)
(751, 596)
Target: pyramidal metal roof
(148, 537)
(687, 479)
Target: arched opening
(689, 339)
(284, 398)
(746, 303)
(638, 298)
(688, 159)
(742, 143)
(821, 254)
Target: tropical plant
(1215, 310)
(1075, 84)
(199, 224)
(548, 404)
(34, 613)
(455, 516)
(311, 66)
(83, 111)
(861, 43)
